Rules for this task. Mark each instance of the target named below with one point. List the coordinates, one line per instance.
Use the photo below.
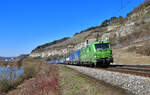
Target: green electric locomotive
(98, 53)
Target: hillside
(7, 58)
(40, 48)
(120, 31)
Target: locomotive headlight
(95, 55)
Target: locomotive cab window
(102, 46)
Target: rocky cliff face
(59, 51)
(132, 29)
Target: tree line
(112, 20)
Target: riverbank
(45, 82)
(7, 63)
(30, 66)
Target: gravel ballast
(135, 84)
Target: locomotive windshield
(102, 46)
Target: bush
(131, 49)
(144, 50)
(6, 85)
(29, 71)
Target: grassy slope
(74, 83)
(123, 57)
(133, 54)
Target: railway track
(132, 81)
(140, 70)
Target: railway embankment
(72, 82)
(137, 85)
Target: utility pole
(87, 42)
(97, 36)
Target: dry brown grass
(44, 83)
(30, 70)
(74, 83)
(142, 49)
(123, 56)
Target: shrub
(144, 50)
(29, 71)
(131, 49)
(5, 85)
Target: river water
(10, 73)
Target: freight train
(98, 53)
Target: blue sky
(25, 24)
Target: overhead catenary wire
(123, 6)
